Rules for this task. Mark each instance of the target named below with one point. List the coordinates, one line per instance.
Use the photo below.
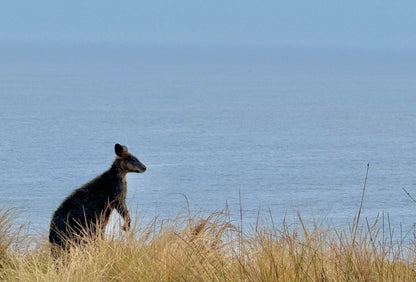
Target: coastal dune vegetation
(213, 248)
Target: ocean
(275, 132)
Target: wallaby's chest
(120, 188)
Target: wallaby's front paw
(126, 227)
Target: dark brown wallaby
(87, 210)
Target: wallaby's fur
(87, 210)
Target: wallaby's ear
(118, 149)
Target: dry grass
(212, 249)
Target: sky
(367, 24)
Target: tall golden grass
(211, 249)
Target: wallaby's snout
(140, 167)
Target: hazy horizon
(332, 24)
(127, 36)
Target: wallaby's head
(128, 162)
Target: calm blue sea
(288, 130)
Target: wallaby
(87, 210)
